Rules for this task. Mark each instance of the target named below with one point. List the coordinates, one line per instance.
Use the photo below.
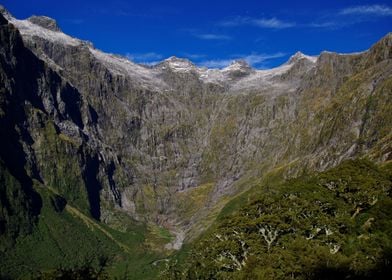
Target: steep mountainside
(170, 145)
(331, 225)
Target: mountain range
(117, 151)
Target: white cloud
(375, 10)
(351, 15)
(327, 24)
(209, 36)
(255, 59)
(272, 23)
(339, 19)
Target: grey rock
(45, 22)
(146, 136)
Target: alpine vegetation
(111, 169)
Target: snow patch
(345, 54)
(30, 30)
(211, 75)
(299, 55)
(117, 65)
(177, 64)
(238, 65)
(123, 66)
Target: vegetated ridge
(97, 140)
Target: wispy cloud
(210, 36)
(254, 59)
(149, 58)
(325, 24)
(350, 16)
(374, 10)
(332, 20)
(272, 23)
(203, 35)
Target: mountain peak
(386, 41)
(238, 69)
(177, 64)
(299, 56)
(45, 22)
(5, 12)
(176, 59)
(239, 65)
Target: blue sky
(213, 33)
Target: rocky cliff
(172, 143)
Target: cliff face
(35, 103)
(169, 144)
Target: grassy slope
(66, 236)
(70, 239)
(353, 200)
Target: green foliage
(314, 227)
(16, 213)
(64, 174)
(190, 201)
(78, 273)
(64, 244)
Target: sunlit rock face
(145, 140)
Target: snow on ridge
(299, 55)
(345, 54)
(220, 76)
(211, 75)
(256, 78)
(115, 64)
(237, 65)
(274, 71)
(177, 64)
(311, 58)
(263, 79)
(29, 29)
(123, 66)
(148, 76)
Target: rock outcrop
(111, 134)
